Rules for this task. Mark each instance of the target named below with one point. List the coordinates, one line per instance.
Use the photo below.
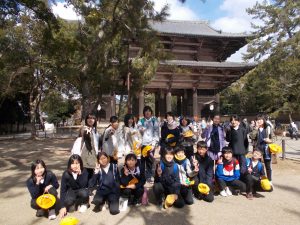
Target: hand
(194, 161)
(158, 170)
(220, 160)
(38, 179)
(131, 186)
(250, 170)
(48, 188)
(126, 171)
(79, 171)
(62, 212)
(97, 168)
(196, 169)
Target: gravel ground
(279, 207)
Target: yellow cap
(132, 181)
(275, 148)
(170, 199)
(46, 201)
(265, 184)
(146, 149)
(173, 144)
(69, 221)
(203, 188)
(137, 151)
(188, 133)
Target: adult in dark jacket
(107, 177)
(238, 142)
(74, 186)
(167, 179)
(42, 181)
(206, 171)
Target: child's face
(75, 166)
(235, 123)
(115, 125)
(148, 114)
(103, 161)
(256, 155)
(169, 157)
(228, 156)
(202, 151)
(90, 121)
(216, 120)
(180, 154)
(131, 163)
(39, 170)
(260, 122)
(184, 122)
(130, 122)
(170, 119)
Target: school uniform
(165, 131)
(168, 183)
(205, 175)
(228, 174)
(108, 187)
(134, 195)
(74, 189)
(37, 190)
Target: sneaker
(40, 213)
(228, 192)
(123, 204)
(82, 208)
(52, 215)
(249, 196)
(223, 193)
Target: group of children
(179, 177)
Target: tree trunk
(32, 115)
(86, 95)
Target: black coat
(238, 140)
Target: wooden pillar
(195, 102)
(113, 104)
(157, 104)
(141, 103)
(179, 105)
(184, 103)
(218, 103)
(162, 103)
(168, 101)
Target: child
(90, 144)
(167, 179)
(185, 173)
(132, 180)
(228, 173)
(106, 174)
(255, 173)
(42, 181)
(74, 184)
(206, 170)
(149, 129)
(110, 145)
(170, 132)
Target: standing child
(74, 187)
(167, 181)
(228, 173)
(110, 145)
(132, 180)
(107, 176)
(255, 173)
(185, 175)
(42, 181)
(187, 136)
(149, 129)
(206, 171)
(90, 144)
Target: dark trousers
(77, 197)
(111, 198)
(146, 166)
(135, 193)
(235, 184)
(253, 184)
(208, 198)
(243, 163)
(186, 194)
(268, 165)
(159, 192)
(52, 191)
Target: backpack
(153, 119)
(175, 167)
(259, 165)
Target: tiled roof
(191, 28)
(207, 64)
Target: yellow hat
(146, 149)
(169, 201)
(203, 188)
(188, 133)
(137, 151)
(132, 181)
(275, 148)
(265, 184)
(69, 221)
(173, 144)
(46, 201)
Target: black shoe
(72, 208)
(97, 208)
(40, 213)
